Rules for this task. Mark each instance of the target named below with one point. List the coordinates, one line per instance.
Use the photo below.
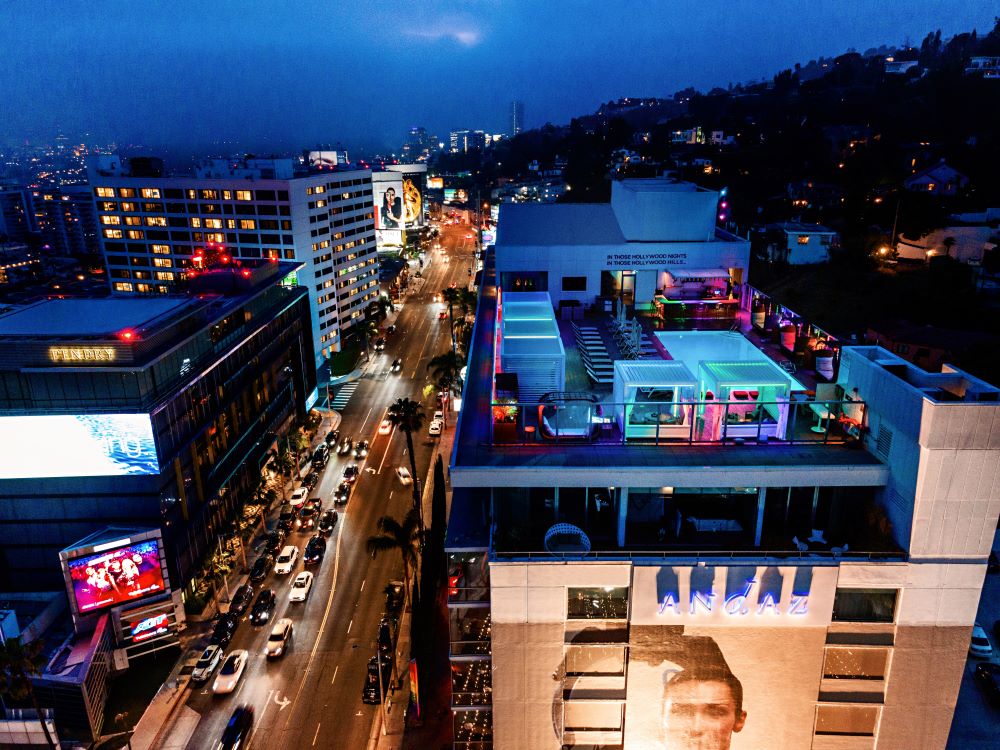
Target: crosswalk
(343, 396)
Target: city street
(311, 697)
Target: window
(136, 234)
(123, 286)
(213, 223)
(931, 186)
(161, 249)
(156, 221)
(864, 605)
(113, 234)
(601, 603)
(109, 206)
(128, 206)
(195, 222)
(244, 195)
(227, 195)
(846, 720)
(803, 239)
(595, 660)
(111, 220)
(150, 192)
(209, 195)
(215, 237)
(856, 663)
(163, 262)
(105, 192)
(574, 283)
(230, 223)
(143, 288)
(133, 221)
(126, 192)
(164, 276)
(580, 716)
(248, 224)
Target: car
(315, 550)
(343, 493)
(316, 502)
(390, 330)
(277, 641)
(394, 595)
(385, 427)
(321, 454)
(979, 646)
(207, 663)
(434, 428)
(242, 599)
(261, 567)
(301, 587)
(987, 677)
(404, 475)
(385, 636)
(273, 541)
(332, 437)
(299, 496)
(379, 344)
(443, 315)
(263, 608)
(370, 693)
(327, 521)
(238, 730)
(231, 672)
(350, 474)
(286, 519)
(311, 480)
(345, 446)
(397, 365)
(307, 518)
(361, 449)
(286, 560)
(438, 415)
(224, 629)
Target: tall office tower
(668, 539)
(156, 231)
(464, 141)
(15, 214)
(65, 220)
(516, 117)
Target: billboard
(435, 183)
(388, 191)
(413, 201)
(81, 445)
(326, 159)
(725, 657)
(456, 195)
(149, 627)
(117, 576)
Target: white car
(438, 415)
(277, 641)
(404, 475)
(980, 645)
(209, 660)
(301, 587)
(286, 560)
(434, 428)
(385, 428)
(231, 672)
(299, 496)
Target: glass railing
(735, 422)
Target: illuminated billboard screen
(456, 195)
(435, 183)
(413, 201)
(150, 627)
(81, 445)
(326, 159)
(118, 576)
(388, 203)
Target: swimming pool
(693, 347)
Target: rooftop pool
(693, 347)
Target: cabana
(654, 399)
(530, 345)
(746, 396)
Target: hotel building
(155, 230)
(668, 539)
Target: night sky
(289, 73)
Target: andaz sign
(742, 602)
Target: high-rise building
(662, 528)
(516, 117)
(156, 230)
(464, 141)
(65, 220)
(15, 214)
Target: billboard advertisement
(388, 201)
(456, 195)
(413, 201)
(149, 627)
(326, 159)
(435, 183)
(118, 576)
(726, 657)
(81, 445)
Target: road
(311, 697)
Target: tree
(439, 519)
(451, 296)
(284, 462)
(405, 537)
(445, 368)
(18, 663)
(408, 416)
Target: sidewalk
(397, 700)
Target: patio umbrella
(636, 335)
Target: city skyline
(166, 76)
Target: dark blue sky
(298, 72)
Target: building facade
(659, 566)
(65, 221)
(153, 412)
(156, 230)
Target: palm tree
(404, 536)
(451, 296)
(408, 416)
(18, 663)
(446, 368)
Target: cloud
(463, 32)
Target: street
(311, 697)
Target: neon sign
(151, 627)
(744, 601)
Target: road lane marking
(363, 584)
(316, 735)
(366, 419)
(349, 625)
(335, 674)
(283, 703)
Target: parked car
(385, 637)
(980, 646)
(242, 599)
(350, 474)
(443, 315)
(238, 730)
(438, 415)
(987, 677)
(286, 519)
(307, 518)
(332, 437)
(207, 663)
(224, 629)
(277, 641)
(394, 595)
(286, 560)
(317, 503)
(301, 587)
(385, 427)
(434, 428)
(261, 567)
(315, 550)
(397, 365)
(370, 693)
(311, 480)
(391, 329)
(361, 449)
(345, 446)
(404, 475)
(327, 521)
(343, 493)
(299, 496)
(231, 672)
(263, 608)
(274, 540)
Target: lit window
(163, 263)
(133, 221)
(123, 286)
(320, 204)
(213, 223)
(248, 224)
(230, 223)
(126, 192)
(161, 249)
(195, 222)
(113, 234)
(136, 234)
(105, 192)
(128, 206)
(227, 195)
(109, 206)
(209, 195)
(150, 192)
(803, 239)
(164, 276)
(244, 195)
(931, 186)
(156, 221)
(191, 194)
(215, 237)
(319, 189)
(144, 288)
(111, 220)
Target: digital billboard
(435, 183)
(80, 445)
(456, 195)
(117, 576)
(326, 159)
(413, 201)
(149, 627)
(388, 191)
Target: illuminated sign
(644, 260)
(435, 183)
(151, 627)
(77, 445)
(747, 599)
(81, 353)
(126, 574)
